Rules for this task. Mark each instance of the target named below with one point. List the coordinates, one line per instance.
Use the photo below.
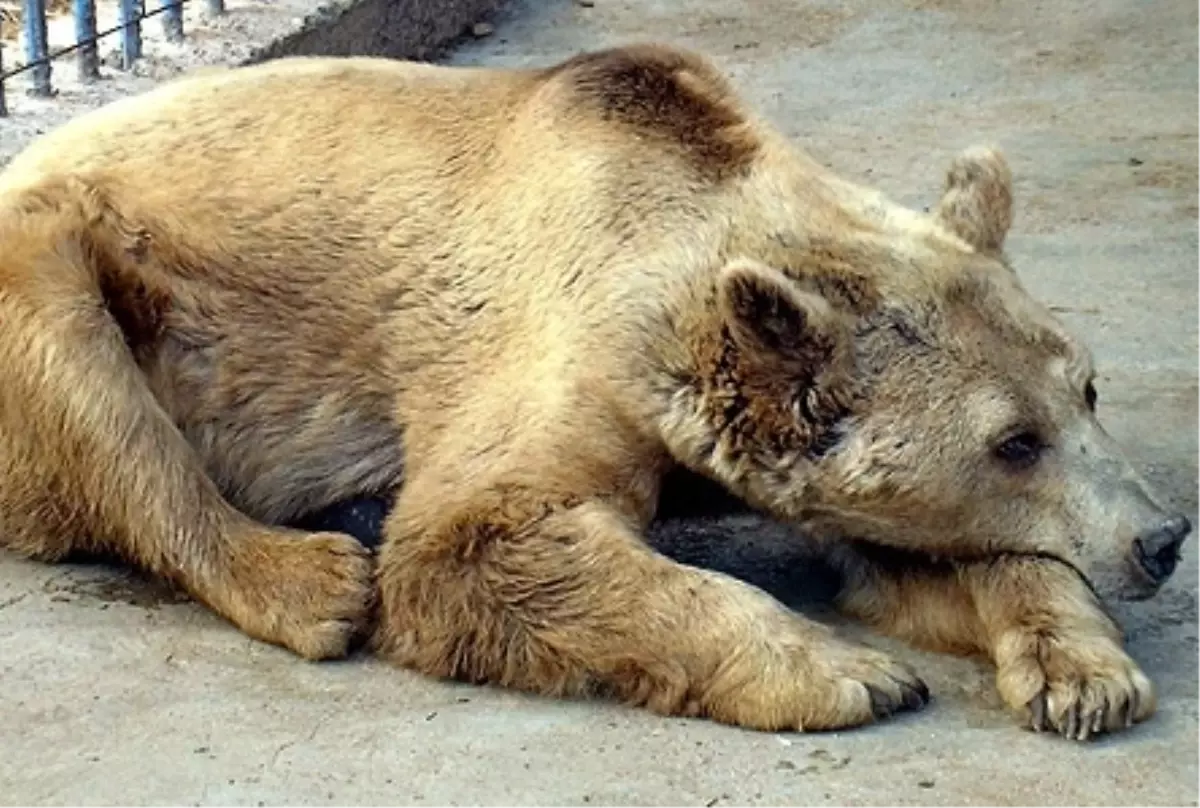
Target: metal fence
(39, 61)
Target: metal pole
(131, 32)
(173, 20)
(3, 104)
(36, 48)
(85, 37)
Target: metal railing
(39, 60)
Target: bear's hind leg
(90, 461)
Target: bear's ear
(768, 314)
(977, 202)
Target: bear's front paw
(870, 684)
(820, 685)
(311, 593)
(1078, 685)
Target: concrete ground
(114, 690)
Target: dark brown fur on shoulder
(675, 98)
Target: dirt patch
(1165, 174)
(105, 587)
(414, 29)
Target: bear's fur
(521, 298)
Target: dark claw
(1112, 716)
(913, 688)
(914, 694)
(1072, 723)
(881, 705)
(1037, 712)
(915, 698)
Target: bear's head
(874, 373)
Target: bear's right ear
(977, 201)
(767, 313)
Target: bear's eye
(1021, 450)
(1089, 395)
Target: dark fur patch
(138, 306)
(765, 311)
(762, 410)
(825, 441)
(670, 96)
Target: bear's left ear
(977, 202)
(771, 317)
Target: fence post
(173, 20)
(3, 103)
(36, 47)
(131, 32)
(85, 37)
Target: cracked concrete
(115, 690)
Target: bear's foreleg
(561, 596)
(1058, 654)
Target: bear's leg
(89, 461)
(562, 597)
(1058, 654)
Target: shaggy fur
(519, 299)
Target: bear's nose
(1158, 550)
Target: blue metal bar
(85, 37)
(3, 103)
(173, 20)
(37, 51)
(131, 32)
(216, 6)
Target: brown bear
(521, 298)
